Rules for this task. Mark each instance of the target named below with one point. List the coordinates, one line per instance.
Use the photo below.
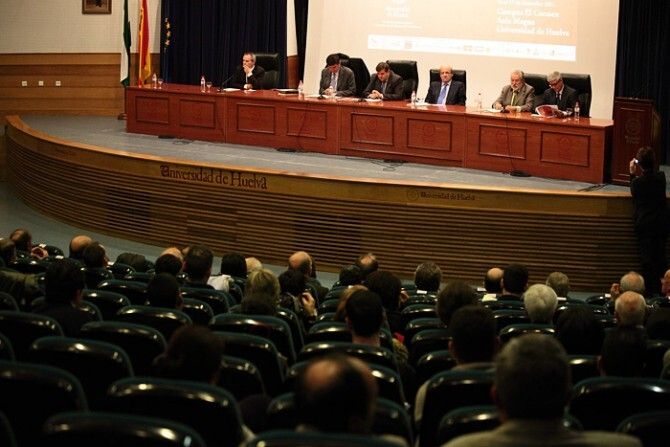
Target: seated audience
(540, 302)
(303, 262)
(630, 309)
(427, 278)
(350, 275)
(341, 312)
(23, 287)
(295, 297)
(135, 260)
(514, 282)
(368, 264)
(384, 84)
(531, 390)
(455, 295)
(560, 283)
(623, 352)
(163, 291)
(23, 241)
(493, 284)
(630, 282)
(77, 246)
(389, 288)
(198, 266)
(95, 256)
(579, 331)
(168, 263)
(253, 264)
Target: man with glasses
(517, 96)
(336, 80)
(558, 93)
(446, 91)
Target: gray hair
(633, 282)
(540, 302)
(559, 282)
(630, 308)
(554, 76)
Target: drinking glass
(160, 83)
(209, 86)
(568, 112)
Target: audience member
(384, 84)
(579, 331)
(455, 295)
(630, 309)
(77, 246)
(341, 312)
(253, 264)
(364, 317)
(531, 390)
(248, 76)
(446, 90)
(514, 282)
(427, 278)
(517, 96)
(7, 251)
(493, 284)
(630, 282)
(198, 266)
(23, 287)
(163, 291)
(336, 80)
(559, 94)
(135, 260)
(560, 283)
(350, 275)
(95, 256)
(261, 293)
(368, 264)
(294, 297)
(303, 262)
(623, 352)
(23, 241)
(234, 264)
(540, 302)
(389, 288)
(168, 263)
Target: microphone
(226, 81)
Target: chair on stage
(271, 64)
(409, 73)
(361, 72)
(581, 83)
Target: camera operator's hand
(308, 304)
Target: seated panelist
(384, 84)
(248, 75)
(517, 96)
(558, 93)
(335, 79)
(446, 91)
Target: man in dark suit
(384, 84)
(248, 75)
(558, 93)
(336, 79)
(446, 91)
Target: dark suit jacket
(651, 212)
(70, 318)
(346, 83)
(568, 98)
(240, 78)
(456, 94)
(394, 86)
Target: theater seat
(652, 428)
(409, 73)
(290, 438)
(22, 328)
(271, 64)
(581, 83)
(361, 73)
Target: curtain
(301, 9)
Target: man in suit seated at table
(248, 75)
(517, 96)
(336, 79)
(558, 93)
(384, 84)
(446, 91)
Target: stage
(263, 202)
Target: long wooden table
(442, 135)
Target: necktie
(333, 81)
(443, 94)
(513, 102)
(383, 87)
(558, 97)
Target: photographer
(296, 298)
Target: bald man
(302, 261)
(629, 309)
(446, 91)
(77, 246)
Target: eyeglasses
(551, 84)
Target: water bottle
(577, 110)
(202, 84)
(413, 99)
(479, 102)
(300, 89)
(154, 81)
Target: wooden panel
(502, 141)
(372, 129)
(197, 113)
(565, 148)
(150, 109)
(429, 134)
(307, 123)
(256, 118)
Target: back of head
(253, 264)
(7, 251)
(341, 312)
(646, 158)
(135, 260)
(163, 291)
(77, 246)
(292, 282)
(428, 277)
(387, 286)
(365, 313)
(168, 263)
(455, 295)
(515, 279)
(332, 59)
(193, 353)
(368, 264)
(301, 260)
(234, 264)
(22, 239)
(492, 280)
(623, 352)
(198, 263)
(94, 255)
(64, 279)
(263, 281)
(579, 331)
(350, 275)
(632, 282)
(258, 303)
(630, 309)
(533, 378)
(336, 394)
(560, 283)
(473, 333)
(540, 302)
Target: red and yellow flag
(143, 49)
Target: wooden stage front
(270, 213)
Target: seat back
(652, 428)
(95, 275)
(108, 302)
(135, 291)
(166, 321)
(141, 343)
(361, 73)
(97, 364)
(505, 317)
(537, 81)
(599, 402)
(417, 325)
(271, 64)
(409, 73)
(369, 354)
(218, 300)
(199, 311)
(329, 305)
(210, 410)
(414, 311)
(432, 363)
(121, 270)
(6, 350)
(581, 83)
(464, 420)
(291, 438)
(654, 353)
(110, 429)
(32, 393)
(458, 75)
(241, 377)
(447, 391)
(297, 329)
(515, 330)
(503, 304)
(426, 341)
(7, 302)
(339, 331)
(583, 367)
(22, 328)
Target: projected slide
(531, 29)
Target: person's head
(515, 279)
(428, 277)
(168, 263)
(540, 302)
(7, 251)
(253, 264)
(646, 158)
(532, 379)
(198, 263)
(367, 263)
(580, 331)
(333, 63)
(560, 283)
(665, 283)
(658, 324)
(174, 251)
(95, 256)
(383, 70)
(302, 261)
(350, 275)
(474, 337)
(387, 286)
(264, 282)
(258, 303)
(555, 81)
(292, 282)
(446, 73)
(163, 291)
(193, 353)
(340, 387)
(623, 352)
(365, 313)
(632, 282)
(64, 282)
(630, 309)
(341, 312)
(234, 264)
(77, 246)
(492, 280)
(516, 80)
(455, 295)
(248, 59)
(22, 239)
(135, 260)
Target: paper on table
(231, 89)
(373, 100)
(492, 110)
